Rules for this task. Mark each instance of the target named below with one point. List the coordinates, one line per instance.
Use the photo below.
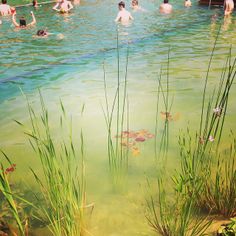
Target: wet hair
(4, 1)
(166, 1)
(121, 4)
(41, 33)
(22, 22)
(135, 2)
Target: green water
(68, 65)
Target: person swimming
(187, 3)
(63, 6)
(42, 33)
(5, 9)
(22, 22)
(165, 7)
(123, 15)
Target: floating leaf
(140, 139)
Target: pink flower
(211, 138)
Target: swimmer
(187, 3)
(42, 33)
(123, 15)
(229, 7)
(22, 24)
(135, 6)
(63, 6)
(166, 7)
(5, 9)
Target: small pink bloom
(211, 138)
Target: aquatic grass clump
(117, 122)
(62, 181)
(219, 186)
(203, 167)
(176, 216)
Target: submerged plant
(62, 181)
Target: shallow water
(68, 65)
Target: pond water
(68, 65)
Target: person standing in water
(123, 15)
(165, 7)
(63, 6)
(22, 23)
(187, 3)
(5, 9)
(229, 7)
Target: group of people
(165, 7)
(64, 6)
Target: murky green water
(68, 65)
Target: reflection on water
(70, 68)
(227, 22)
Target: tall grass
(206, 179)
(6, 190)
(62, 181)
(219, 185)
(203, 166)
(117, 121)
(163, 94)
(176, 216)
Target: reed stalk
(117, 121)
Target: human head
(4, 1)
(22, 22)
(41, 33)
(121, 5)
(166, 1)
(134, 2)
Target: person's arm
(14, 20)
(55, 7)
(118, 18)
(130, 17)
(70, 6)
(33, 21)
